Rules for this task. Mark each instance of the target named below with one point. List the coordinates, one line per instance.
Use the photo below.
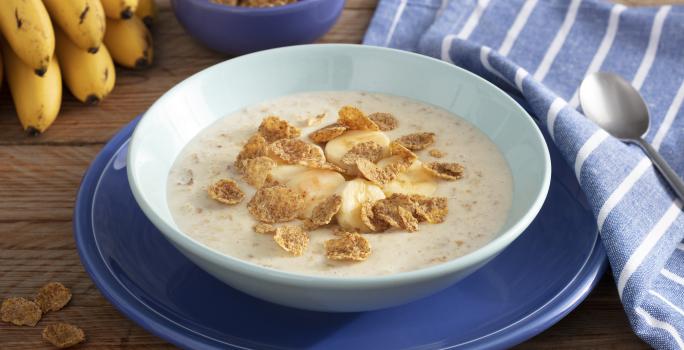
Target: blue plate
(536, 281)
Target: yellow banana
(83, 21)
(147, 11)
(89, 77)
(36, 99)
(119, 9)
(129, 42)
(26, 26)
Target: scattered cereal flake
(260, 227)
(354, 119)
(273, 129)
(370, 220)
(406, 211)
(276, 204)
(315, 120)
(295, 151)
(293, 239)
(436, 153)
(369, 150)
(323, 213)
(431, 209)
(398, 149)
(327, 133)
(270, 181)
(256, 146)
(396, 216)
(349, 247)
(53, 297)
(417, 141)
(375, 174)
(408, 201)
(20, 311)
(406, 220)
(385, 121)
(447, 171)
(405, 201)
(257, 170)
(406, 157)
(63, 335)
(324, 166)
(226, 191)
(339, 231)
(367, 214)
(308, 225)
(381, 176)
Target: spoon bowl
(615, 105)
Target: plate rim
(525, 328)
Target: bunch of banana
(88, 37)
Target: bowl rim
(481, 254)
(211, 6)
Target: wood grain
(39, 178)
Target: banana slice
(336, 148)
(317, 184)
(415, 180)
(354, 193)
(286, 172)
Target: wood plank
(40, 182)
(350, 27)
(363, 4)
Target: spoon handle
(667, 172)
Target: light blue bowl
(215, 92)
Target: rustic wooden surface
(39, 177)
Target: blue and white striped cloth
(539, 51)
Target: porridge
(341, 184)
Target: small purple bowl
(237, 30)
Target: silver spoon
(617, 107)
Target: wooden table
(39, 177)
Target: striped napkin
(539, 51)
